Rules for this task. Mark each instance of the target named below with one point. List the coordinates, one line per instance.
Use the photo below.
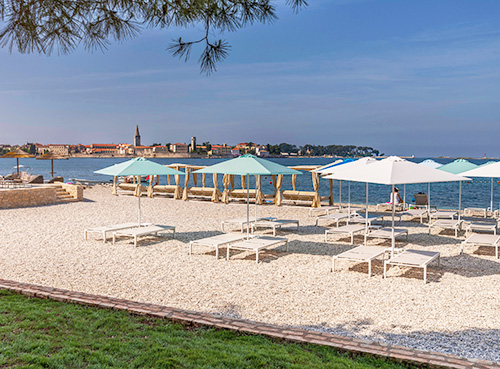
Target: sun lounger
(443, 214)
(477, 239)
(274, 224)
(242, 194)
(361, 253)
(151, 230)
(203, 192)
(358, 218)
(351, 210)
(216, 241)
(131, 187)
(350, 229)
(241, 222)
(417, 213)
(386, 233)
(165, 189)
(481, 226)
(299, 196)
(413, 258)
(387, 206)
(256, 244)
(323, 210)
(470, 211)
(105, 229)
(446, 224)
(332, 217)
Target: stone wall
(74, 190)
(36, 196)
(22, 197)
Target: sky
(405, 77)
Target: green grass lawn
(38, 333)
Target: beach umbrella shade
(17, 153)
(51, 156)
(394, 170)
(487, 170)
(458, 166)
(138, 167)
(245, 166)
(345, 166)
(328, 168)
(431, 163)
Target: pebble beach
(456, 312)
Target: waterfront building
(179, 148)
(125, 149)
(62, 150)
(261, 151)
(220, 150)
(143, 150)
(110, 149)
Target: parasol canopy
(17, 153)
(52, 156)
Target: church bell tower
(137, 137)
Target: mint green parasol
(138, 167)
(247, 165)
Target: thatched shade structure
(51, 156)
(17, 153)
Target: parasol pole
(366, 212)
(459, 201)
(17, 159)
(393, 239)
(340, 194)
(491, 201)
(139, 180)
(404, 196)
(248, 206)
(349, 198)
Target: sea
(476, 193)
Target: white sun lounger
(216, 241)
(142, 231)
(443, 214)
(481, 226)
(386, 233)
(350, 229)
(446, 224)
(361, 253)
(477, 239)
(241, 222)
(357, 218)
(256, 244)
(105, 229)
(274, 224)
(469, 211)
(323, 210)
(413, 258)
(417, 213)
(332, 217)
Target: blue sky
(405, 77)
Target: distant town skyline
(403, 77)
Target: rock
(56, 179)
(36, 179)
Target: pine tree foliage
(46, 26)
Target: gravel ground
(456, 312)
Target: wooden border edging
(186, 317)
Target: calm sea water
(444, 195)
